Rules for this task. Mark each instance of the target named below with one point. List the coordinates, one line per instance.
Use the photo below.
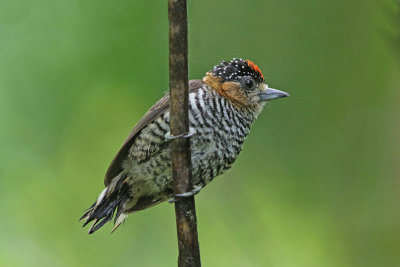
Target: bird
(222, 108)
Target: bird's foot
(194, 191)
(169, 136)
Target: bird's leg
(194, 191)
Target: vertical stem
(189, 253)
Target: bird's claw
(168, 136)
(194, 191)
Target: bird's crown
(237, 68)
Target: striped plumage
(222, 107)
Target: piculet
(222, 108)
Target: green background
(317, 183)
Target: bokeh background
(317, 183)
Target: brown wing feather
(152, 114)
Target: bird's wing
(152, 114)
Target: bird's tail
(110, 201)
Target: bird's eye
(248, 83)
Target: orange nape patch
(255, 68)
(229, 90)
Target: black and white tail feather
(109, 203)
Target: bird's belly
(211, 156)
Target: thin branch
(189, 253)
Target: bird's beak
(270, 94)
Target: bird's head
(242, 82)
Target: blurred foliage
(317, 183)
